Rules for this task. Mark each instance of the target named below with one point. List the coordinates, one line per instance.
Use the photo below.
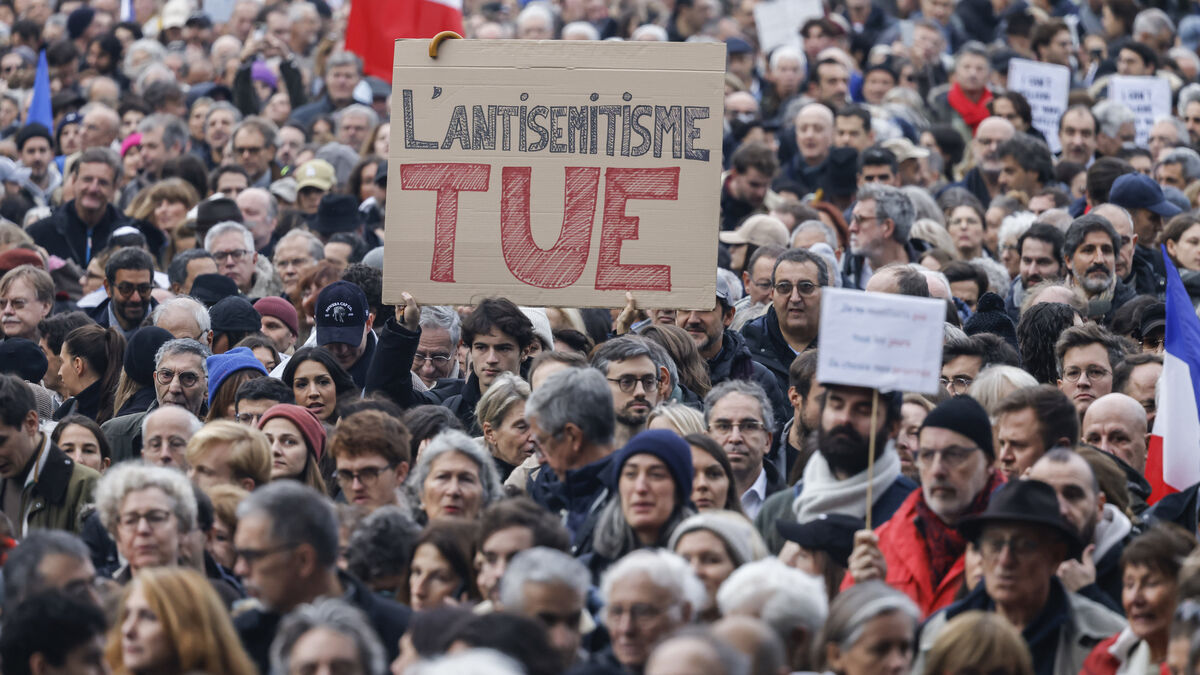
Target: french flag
(374, 26)
(1173, 459)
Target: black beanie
(964, 415)
(990, 317)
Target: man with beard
(981, 180)
(835, 478)
(1103, 528)
(1090, 251)
(739, 417)
(920, 551)
(128, 280)
(1040, 249)
(638, 377)
(880, 225)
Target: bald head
(1116, 424)
(756, 640)
(818, 112)
(685, 654)
(991, 132)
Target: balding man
(754, 639)
(1116, 424)
(184, 317)
(260, 213)
(696, 652)
(814, 138)
(100, 126)
(740, 105)
(981, 180)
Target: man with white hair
(648, 595)
(260, 213)
(535, 22)
(1177, 168)
(165, 434)
(792, 603)
(295, 252)
(1116, 424)
(551, 587)
(814, 138)
(184, 317)
(1116, 128)
(100, 126)
(580, 30)
(355, 123)
(232, 245)
(1167, 132)
(696, 651)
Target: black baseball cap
(832, 533)
(341, 314)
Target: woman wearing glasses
(148, 511)
(91, 366)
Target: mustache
(1098, 268)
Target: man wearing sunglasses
(128, 280)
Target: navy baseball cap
(1139, 191)
(341, 314)
(832, 533)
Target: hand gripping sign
(555, 173)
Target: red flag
(374, 25)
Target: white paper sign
(1045, 86)
(779, 21)
(880, 340)
(1148, 97)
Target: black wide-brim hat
(1030, 502)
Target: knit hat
(541, 325)
(221, 366)
(79, 20)
(741, 539)
(130, 141)
(964, 415)
(23, 358)
(990, 317)
(234, 314)
(210, 289)
(308, 424)
(665, 445)
(140, 351)
(278, 308)
(15, 257)
(261, 72)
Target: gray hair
(153, 72)
(272, 201)
(106, 156)
(193, 422)
(851, 611)
(1181, 132)
(224, 228)
(126, 477)
(971, 48)
(1188, 157)
(997, 381)
(1152, 20)
(21, 576)
(930, 232)
(438, 316)
(1189, 94)
(826, 231)
(147, 46)
(468, 662)
(745, 388)
(265, 127)
(300, 10)
(584, 28)
(298, 515)
(315, 248)
(659, 33)
(541, 565)
(579, 396)
(666, 570)
(782, 596)
(1014, 225)
(534, 10)
(174, 131)
(357, 109)
(344, 58)
(184, 303)
(453, 440)
(177, 270)
(891, 204)
(183, 346)
(1111, 116)
(923, 203)
(331, 614)
(624, 348)
(227, 107)
(786, 52)
(495, 403)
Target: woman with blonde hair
(677, 417)
(501, 415)
(979, 642)
(995, 382)
(171, 621)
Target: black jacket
(139, 401)
(1148, 275)
(974, 183)
(734, 362)
(359, 371)
(853, 265)
(390, 372)
(99, 314)
(63, 234)
(733, 209)
(1179, 508)
(577, 499)
(257, 627)
(86, 403)
(768, 346)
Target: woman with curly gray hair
(454, 476)
(329, 635)
(148, 510)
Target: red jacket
(908, 567)
(1101, 662)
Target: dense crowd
(222, 453)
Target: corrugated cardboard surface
(679, 233)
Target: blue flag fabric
(39, 108)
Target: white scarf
(824, 493)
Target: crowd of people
(222, 452)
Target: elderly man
(879, 233)
(295, 252)
(638, 377)
(164, 137)
(739, 417)
(260, 213)
(1029, 422)
(792, 603)
(287, 550)
(441, 331)
(551, 587)
(1090, 251)
(1103, 528)
(1116, 424)
(81, 228)
(814, 138)
(840, 465)
(648, 595)
(919, 551)
(184, 317)
(793, 320)
(233, 247)
(1122, 222)
(166, 432)
(981, 179)
(254, 150)
(757, 282)
(1116, 127)
(1024, 538)
(696, 651)
(26, 298)
(1086, 358)
(1178, 168)
(1144, 200)
(1137, 377)
(100, 126)
(49, 559)
(355, 124)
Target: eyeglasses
(725, 427)
(420, 359)
(366, 475)
(952, 457)
(806, 288)
(126, 289)
(253, 555)
(18, 304)
(187, 378)
(860, 219)
(629, 383)
(154, 518)
(1093, 373)
(293, 262)
(236, 254)
(250, 149)
(992, 545)
(250, 419)
(956, 385)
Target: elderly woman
(652, 480)
(871, 629)
(454, 477)
(329, 635)
(1150, 567)
(501, 415)
(148, 510)
(715, 544)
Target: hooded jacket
(734, 362)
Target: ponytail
(103, 349)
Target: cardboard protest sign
(778, 22)
(1148, 97)
(556, 173)
(879, 340)
(1045, 86)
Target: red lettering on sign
(448, 179)
(562, 264)
(621, 185)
